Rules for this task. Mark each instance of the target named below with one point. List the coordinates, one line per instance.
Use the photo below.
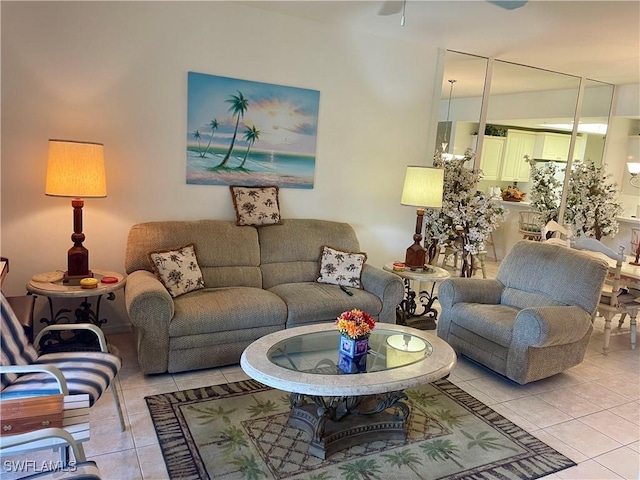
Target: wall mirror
(594, 118)
(461, 101)
(528, 111)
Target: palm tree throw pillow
(177, 269)
(256, 205)
(341, 268)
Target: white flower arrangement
(592, 201)
(545, 191)
(463, 206)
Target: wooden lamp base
(78, 255)
(415, 256)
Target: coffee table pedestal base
(336, 423)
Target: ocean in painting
(286, 170)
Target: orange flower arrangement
(355, 324)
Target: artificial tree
(467, 217)
(592, 201)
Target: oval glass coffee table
(338, 408)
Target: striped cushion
(85, 372)
(15, 348)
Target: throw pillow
(177, 269)
(341, 268)
(256, 205)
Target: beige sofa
(258, 281)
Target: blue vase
(352, 347)
(352, 354)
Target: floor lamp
(423, 188)
(76, 169)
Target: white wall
(117, 73)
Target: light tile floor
(590, 413)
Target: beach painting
(241, 132)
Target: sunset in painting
(250, 133)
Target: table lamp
(423, 187)
(76, 169)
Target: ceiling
(599, 40)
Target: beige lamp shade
(76, 169)
(423, 187)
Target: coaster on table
(109, 280)
(48, 277)
(89, 282)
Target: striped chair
(26, 373)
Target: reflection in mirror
(593, 121)
(462, 89)
(525, 107)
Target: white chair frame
(614, 305)
(57, 373)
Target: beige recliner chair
(533, 320)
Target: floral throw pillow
(177, 269)
(256, 205)
(341, 268)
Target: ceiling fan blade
(390, 7)
(508, 4)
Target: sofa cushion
(222, 309)
(311, 302)
(341, 268)
(304, 239)
(521, 299)
(228, 255)
(534, 267)
(493, 322)
(177, 269)
(256, 205)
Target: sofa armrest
(150, 309)
(387, 286)
(548, 326)
(469, 290)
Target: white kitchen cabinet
(555, 146)
(515, 168)
(491, 158)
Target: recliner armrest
(377, 281)
(469, 290)
(387, 286)
(547, 326)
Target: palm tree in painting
(238, 106)
(250, 136)
(214, 126)
(196, 135)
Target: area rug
(239, 430)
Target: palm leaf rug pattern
(239, 431)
